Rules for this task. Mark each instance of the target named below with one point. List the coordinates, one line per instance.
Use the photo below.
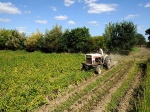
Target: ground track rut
(100, 95)
(52, 104)
(124, 104)
(89, 101)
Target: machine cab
(93, 59)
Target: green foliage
(26, 78)
(32, 42)
(77, 41)
(121, 91)
(117, 36)
(63, 42)
(73, 99)
(147, 32)
(135, 49)
(11, 39)
(51, 38)
(146, 100)
(120, 36)
(96, 42)
(4, 34)
(140, 39)
(74, 41)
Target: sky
(29, 15)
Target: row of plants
(121, 91)
(146, 96)
(27, 78)
(105, 88)
(139, 100)
(66, 105)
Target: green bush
(32, 42)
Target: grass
(135, 49)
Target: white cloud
(89, 1)
(64, 17)
(8, 8)
(131, 16)
(41, 21)
(101, 8)
(4, 20)
(27, 12)
(147, 5)
(93, 23)
(71, 22)
(53, 8)
(21, 29)
(69, 2)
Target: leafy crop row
(27, 78)
(87, 89)
(146, 100)
(121, 91)
(104, 89)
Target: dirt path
(98, 98)
(107, 98)
(124, 104)
(70, 92)
(100, 91)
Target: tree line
(116, 37)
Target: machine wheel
(108, 62)
(84, 67)
(98, 69)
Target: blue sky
(29, 15)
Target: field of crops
(54, 82)
(27, 78)
(146, 100)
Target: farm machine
(97, 61)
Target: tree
(140, 39)
(77, 40)
(51, 38)
(96, 42)
(32, 42)
(63, 42)
(15, 40)
(4, 34)
(120, 36)
(74, 41)
(147, 32)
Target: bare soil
(124, 104)
(101, 106)
(98, 98)
(72, 90)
